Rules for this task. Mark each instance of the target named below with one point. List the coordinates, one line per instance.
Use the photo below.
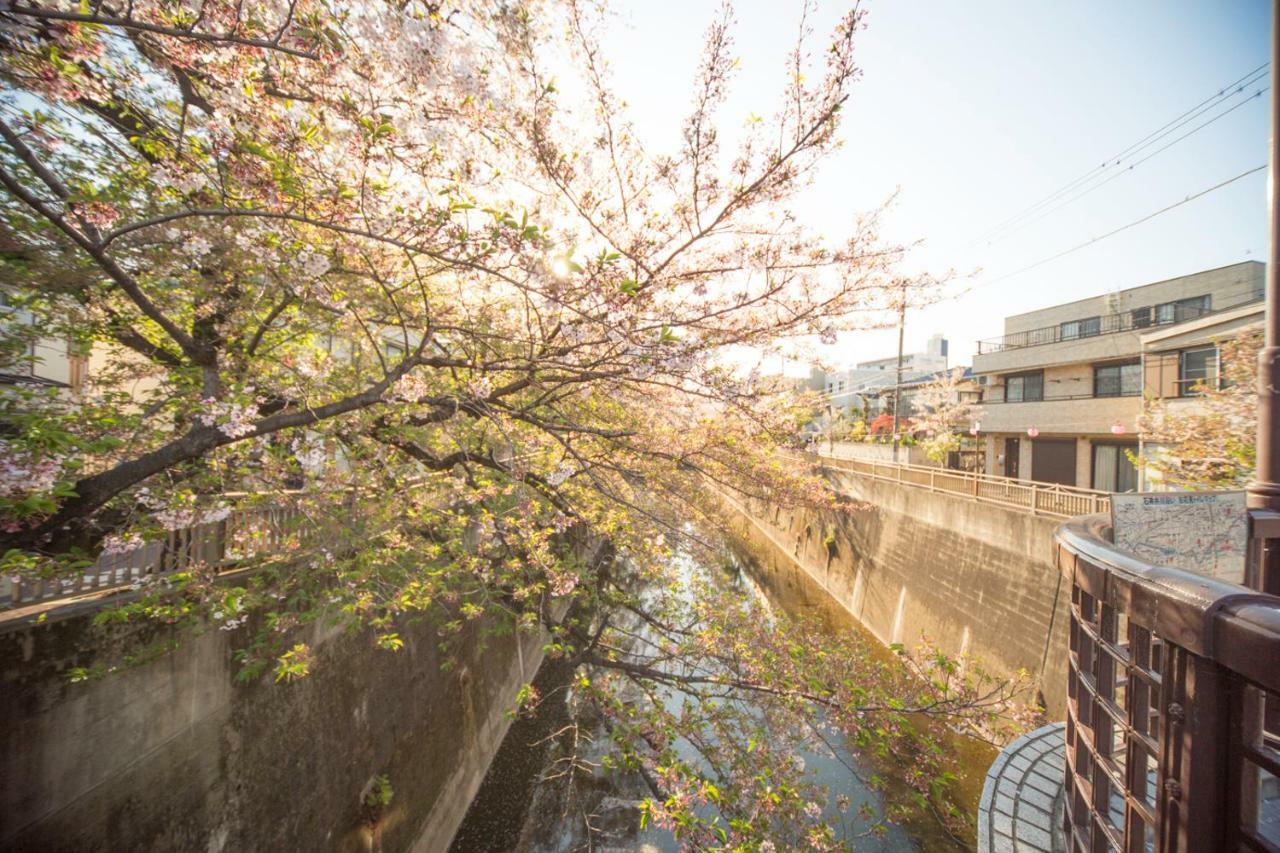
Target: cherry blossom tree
(386, 249)
(1208, 442)
(942, 411)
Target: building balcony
(1082, 415)
(1091, 339)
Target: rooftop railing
(1136, 319)
(1173, 703)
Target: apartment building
(967, 390)
(1179, 359)
(1063, 386)
(860, 387)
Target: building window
(1024, 387)
(13, 316)
(1117, 380)
(1113, 470)
(1182, 309)
(1197, 368)
(1086, 328)
(1140, 317)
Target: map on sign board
(1202, 532)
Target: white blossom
(561, 474)
(313, 264)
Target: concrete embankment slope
(972, 578)
(174, 754)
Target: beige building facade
(44, 360)
(1063, 387)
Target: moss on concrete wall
(910, 563)
(174, 755)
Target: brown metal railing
(1049, 499)
(1173, 705)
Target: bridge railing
(1173, 704)
(1048, 499)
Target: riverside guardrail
(277, 525)
(241, 534)
(1048, 499)
(1173, 709)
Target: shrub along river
(529, 802)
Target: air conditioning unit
(982, 380)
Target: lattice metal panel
(1112, 736)
(1257, 759)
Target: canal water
(533, 801)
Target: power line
(1097, 186)
(1224, 93)
(1116, 231)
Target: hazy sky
(977, 110)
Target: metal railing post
(1192, 772)
(1264, 492)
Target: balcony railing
(1146, 317)
(1173, 704)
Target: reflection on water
(531, 802)
(788, 588)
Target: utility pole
(897, 382)
(1264, 491)
(831, 428)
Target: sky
(975, 111)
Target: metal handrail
(1048, 499)
(1173, 709)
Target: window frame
(1085, 327)
(11, 316)
(1187, 388)
(1121, 447)
(395, 351)
(1174, 311)
(1119, 367)
(1024, 375)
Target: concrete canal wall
(910, 563)
(175, 755)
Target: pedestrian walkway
(1021, 807)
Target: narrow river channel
(526, 803)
